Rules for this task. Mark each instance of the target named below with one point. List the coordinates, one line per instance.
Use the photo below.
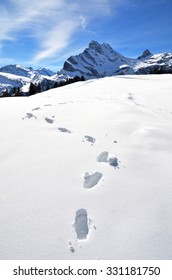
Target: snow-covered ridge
(29, 72)
(17, 76)
(96, 61)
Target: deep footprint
(30, 115)
(103, 157)
(92, 179)
(81, 224)
(90, 139)
(63, 129)
(110, 159)
(49, 120)
(113, 161)
(71, 248)
(35, 109)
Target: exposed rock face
(145, 54)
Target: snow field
(86, 171)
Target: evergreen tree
(32, 89)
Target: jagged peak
(145, 54)
(94, 44)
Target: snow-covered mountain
(29, 72)
(96, 61)
(10, 81)
(45, 72)
(100, 60)
(85, 172)
(17, 76)
(18, 70)
(154, 64)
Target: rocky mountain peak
(94, 45)
(145, 54)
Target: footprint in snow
(50, 120)
(63, 129)
(110, 159)
(71, 247)
(91, 179)
(81, 224)
(90, 139)
(35, 109)
(30, 115)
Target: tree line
(35, 88)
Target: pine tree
(32, 89)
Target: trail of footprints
(91, 179)
(82, 223)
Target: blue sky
(42, 33)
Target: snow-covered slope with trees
(16, 76)
(10, 81)
(86, 171)
(98, 60)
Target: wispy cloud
(58, 38)
(52, 23)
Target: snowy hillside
(14, 76)
(9, 81)
(101, 60)
(86, 171)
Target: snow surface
(45, 210)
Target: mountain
(18, 70)
(45, 72)
(10, 81)
(96, 61)
(29, 72)
(155, 64)
(17, 76)
(145, 55)
(100, 60)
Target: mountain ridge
(96, 61)
(101, 60)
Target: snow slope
(9, 81)
(86, 171)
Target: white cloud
(50, 23)
(58, 39)
(83, 22)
